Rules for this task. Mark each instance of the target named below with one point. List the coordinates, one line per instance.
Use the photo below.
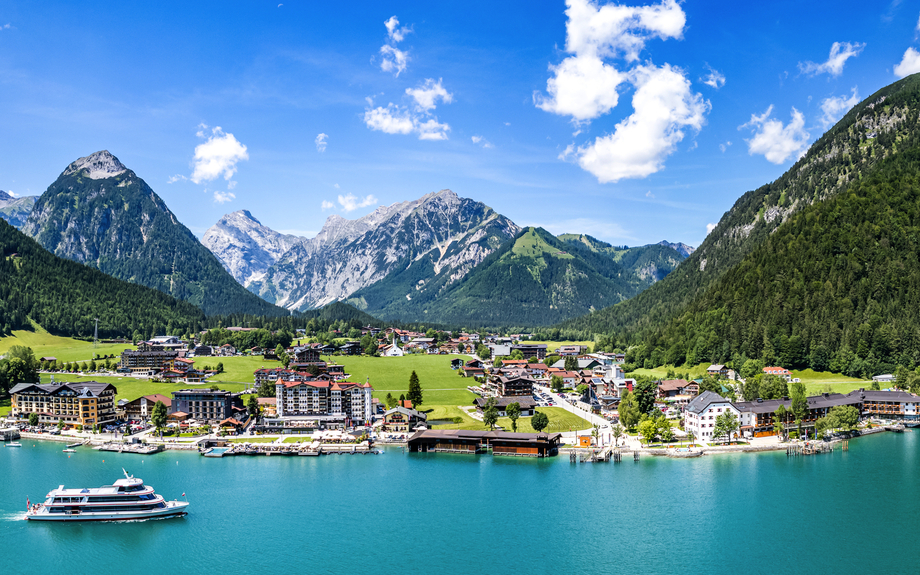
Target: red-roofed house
(779, 372)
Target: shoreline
(653, 452)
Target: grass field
(662, 372)
(64, 348)
(440, 384)
(559, 420)
(238, 369)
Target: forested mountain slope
(534, 279)
(836, 287)
(882, 126)
(64, 296)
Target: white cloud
(176, 178)
(426, 95)
(394, 59)
(611, 30)
(583, 86)
(390, 120)
(777, 142)
(218, 156)
(223, 197)
(396, 119)
(5, 26)
(432, 130)
(482, 142)
(835, 108)
(320, 142)
(350, 202)
(840, 53)
(725, 146)
(709, 228)
(12, 193)
(663, 105)
(336, 186)
(327, 205)
(910, 64)
(917, 27)
(715, 78)
(649, 194)
(394, 32)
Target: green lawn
(440, 384)
(559, 420)
(238, 369)
(5, 406)
(63, 348)
(695, 371)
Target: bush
(793, 435)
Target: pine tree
(415, 391)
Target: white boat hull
(172, 509)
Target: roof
(83, 388)
(715, 367)
(704, 400)
(407, 412)
(673, 384)
(324, 384)
(469, 434)
(406, 403)
(267, 400)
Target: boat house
(474, 442)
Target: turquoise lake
(845, 512)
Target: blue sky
(632, 122)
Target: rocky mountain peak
(98, 166)
(682, 249)
(244, 246)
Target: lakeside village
(308, 406)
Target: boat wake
(13, 516)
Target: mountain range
(246, 247)
(100, 213)
(16, 210)
(426, 260)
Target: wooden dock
(138, 448)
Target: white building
(700, 416)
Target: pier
(313, 449)
(138, 448)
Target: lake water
(846, 512)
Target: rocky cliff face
(432, 241)
(98, 212)
(16, 210)
(246, 247)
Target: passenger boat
(70, 450)
(126, 499)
